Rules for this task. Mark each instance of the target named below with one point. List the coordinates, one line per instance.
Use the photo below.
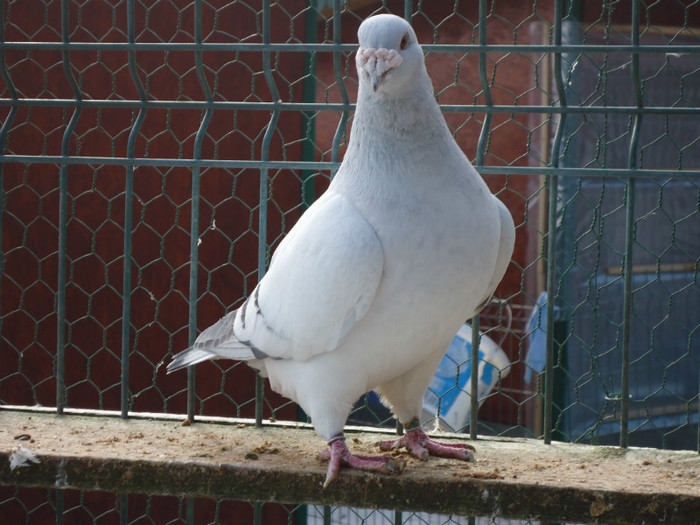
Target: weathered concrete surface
(511, 478)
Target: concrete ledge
(511, 478)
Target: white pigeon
(370, 286)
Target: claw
(417, 442)
(339, 455)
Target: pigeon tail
(217, 342)
(189, 357)
(237, 351)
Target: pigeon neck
(399, 118)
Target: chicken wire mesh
(30, 505)
(155, 153)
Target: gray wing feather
(217, 341)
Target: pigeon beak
(375, 80)
(375, 63)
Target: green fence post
(63, 214)
(128, 209)
(4, 130)
(552, 190)
(338, 73)
(480, 152)
(264, 181)
(628, 263)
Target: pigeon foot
(338, 455)
(417, 442)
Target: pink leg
(420, 445)
(340, 455)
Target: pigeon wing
(505, 252)
(322, 280)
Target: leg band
(335, 438)
(412, 425)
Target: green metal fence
(105, 508)
(153, 154)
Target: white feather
(21, 456)
(321, 282)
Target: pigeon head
(389, 55)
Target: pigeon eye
(404, 42)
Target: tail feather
(216, 342)
(189, 357)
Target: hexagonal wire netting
(155, 153)
(99, 507)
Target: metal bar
(264, 190)
(128, 215)
(345, 48)
(257, 513)
(408, 11)
(627, 263)
(189, 511)
(123, 508)
(126, 294)
(474, 380)
(480, 152)
(63, 218)
(308, 147)
(59, 506)
(485, 87)
(194, 211)
(3, 138)
(337, 72)
(552, 189)
(603, 173)
(347, 106)
(9, 84)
